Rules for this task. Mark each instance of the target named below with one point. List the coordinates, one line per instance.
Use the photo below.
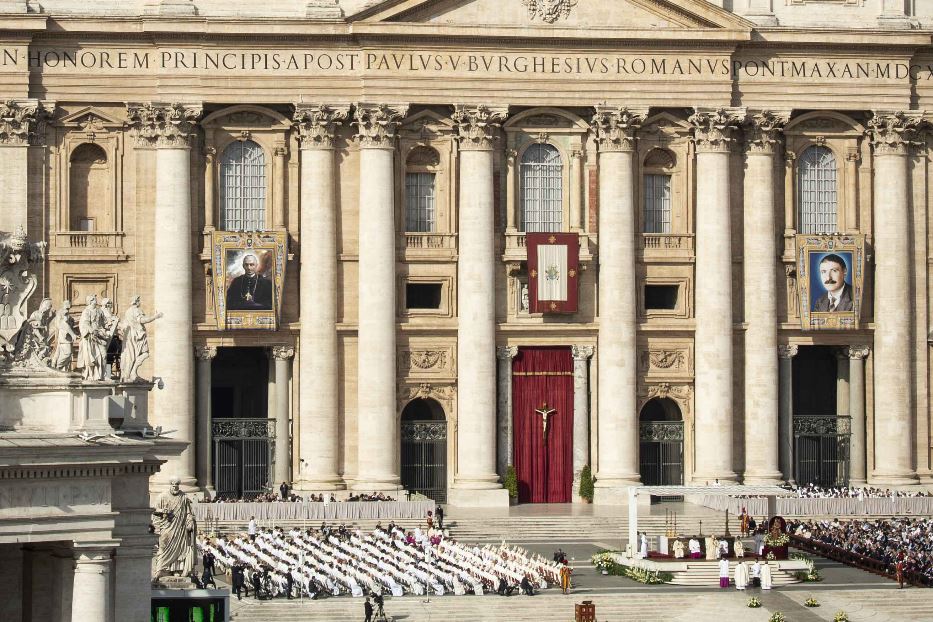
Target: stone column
(18, 125)
(714, 132)
(505, 354)
(169, 128)
(91, 594)
(581, 412)
(376, 401)
(203, 467)
(283, 438)
(318, 402)
(618, 299)
(786, 355)
(763, 134)
(842, 382)
(476, 482)
(132, 577)
(280, 189)
(891, 134)
(857, 463)
(62, 582)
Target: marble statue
(173, 519)
(66, 334)
(17, 282)
(32, 345)
(135, 341)
(92, 351)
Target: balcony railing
(428, 246)
(667, 241)
(87, 245)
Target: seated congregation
(340, 561)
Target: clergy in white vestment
(756, 574)
(739, 548)
(679, 549)
(643, 546)
(712, 548)
(765, 576)
(723, 573)
(741, 575)
(694, 546)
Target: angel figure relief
(549, 11)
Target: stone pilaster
(786, 354)
(478, 128)
(19, 121)
(203, 467)
(282, 355)
(857, 456)
(170, 128)
(891, 136)
(504, 457)
(318, 402)
(581, 412)
(378, 435)
(91, 594)
(715, 131)
(614, 130)
(763, 142)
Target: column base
(764, 479)
(709, 479)
(894, 479)
(478, 498)
(613, 491)
(188, 485)
(325, 484)
(858, 483)
(391, 487)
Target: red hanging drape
(544, 469)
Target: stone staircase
(707, 574)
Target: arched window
(420, 187)
(243, 187)
(541, 189)
(817, 196)
(657, 191)
(89, 190)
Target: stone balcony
(414, 247)
(516, 248)
(666, 247)
(87, 246)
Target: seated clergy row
(386, 560)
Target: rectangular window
(419, 203)
(422, 295)
(661, 297)
(86, 224)
(657, 204)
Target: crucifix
(545, 413)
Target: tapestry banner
(830, 274)
(553, 271)
(248, 273)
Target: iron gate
(424, 458)
(661, 453)
(821, 450)
(244, 455)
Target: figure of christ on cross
(545, 413)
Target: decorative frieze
(428, 362)
(427, 390)
(614, 128)
(478, 126)
(45, 498)
(892, 133)
(377, 124)
(317, 124)
(665, 360)
(763, 131)
(715, 129)
(163, 125)
(680, 393)
(549, 11)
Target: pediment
(90, 118)
(588, 14)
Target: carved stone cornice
(317, 124)
(283, 353)
(763, 131)
(714, 129)
(788, 351)
(377, 124)
(582, 353)
(506, 353)
(478, 125)
(893, 133)
(857, 352)
(163, 125)
(22, 122)
(614, 128)
(205, 353)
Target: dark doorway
(243, 434)
(424, 449)
(661, 443)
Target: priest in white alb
(741, 576)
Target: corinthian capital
(715, 129)
(478, 125)
(205, 353)
(892, 133)
(21, 121)
(283, 353)
(615, 127)
(376, 124)
(763, 130)
(163, 125)
(857, 352)
(317, 124)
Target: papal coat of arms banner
(553, 271)
(248, 272)
(830, 275)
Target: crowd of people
(812, 491)
(339, 561)
(903, 545)
(287, 495)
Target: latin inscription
(48, 498)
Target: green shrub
(586, 483)
(511, 482)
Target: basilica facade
(340, 210)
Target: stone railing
(516, 248)
(428, 246)
(667, 241)
(89, 245)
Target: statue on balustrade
(66, 333)
(135, 341)
(32, 344)
(174, 521)
(17, 283)
(92, 351)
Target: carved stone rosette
(715, 129)
(788, 351)
(21, 121)
(317, 124)
(163, 125)
(614, 128)
(857, 352)
(283, 352)
(892, 133)
(478, 126)
(763, 131)
(205, 353)
(377, 124)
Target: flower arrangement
(770, 556)
(840, 617)
(811, 602)
(780, 539)
(777, 616)
(811, 574)
(648, 577)
(603, 561)
(754, 603)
